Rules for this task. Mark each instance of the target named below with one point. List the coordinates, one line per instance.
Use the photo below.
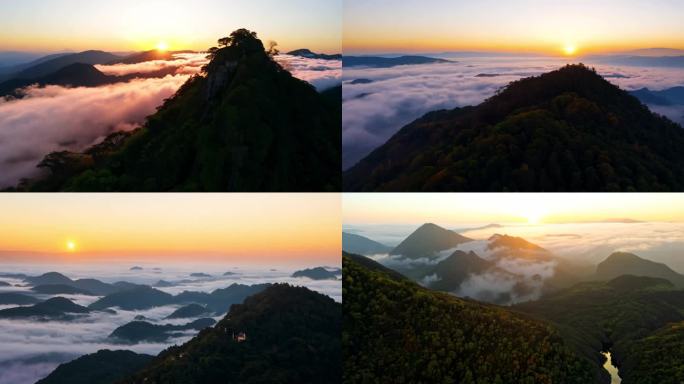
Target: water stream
(612, 370)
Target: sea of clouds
(373, 112)
(56, 118)
(30, 350)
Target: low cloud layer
(373, 111)
(57, 118)
(29, 350)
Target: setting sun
(71, 246)
(162, 46)
(569, 49)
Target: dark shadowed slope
(292, 336)
(103, 367)
(248, 125)
(427, 240)
(622, 263)
(361, 245)
(566, 130)
(397, 332)
(52, 65)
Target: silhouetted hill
(55, 64)
(103, 367)
(622, 263)
(142, 297)
(57, 307)
(455, 269)
(312, 55)
(141, 57)
(318, 273)
(361, 245)
(670, 96)
(292, 336)
(566, 130)
(220, 300)
(190, 310)
(427, 240)
(15, 298)
(398, 332)
(49, 278)
(388, 62)
(139, 331)
(59, 289)
(246, 125)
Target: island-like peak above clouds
(623, 263)
(427, 240)
(566, 130)
(313, 55)
(388, 62)
(246, 125)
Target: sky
(127, 25)
(548, 26)
(246, 228)
(485, 208)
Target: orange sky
(174, 227)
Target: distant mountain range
(566, 130)
(622, 263)
(248, 125)
(312, 55)
(669, 96)
(388, 62)
(358, 244)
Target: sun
(71, 245)
(569, 49)
(162, 46)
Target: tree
(272, 50)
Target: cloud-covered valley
(386, 99)
(56, 118)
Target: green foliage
(397, 332)
(293, 336)
(103, 367)
(246, 124)
(567, 130)
(657, 358)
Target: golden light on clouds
(162, 46)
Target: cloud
(373, 112)
(29, 350)
(323, 74)
(182, 63)
(56, 118)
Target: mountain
(15, 298)
(142, 331)
(455, 269)
(141, 57)
(220, 300)
(388, 62)
(55, 308)
(427, 240)
(74, 75)
(361, 245)
(621, 316)
(505, 246)
(622, 263)
(566, 130)
(669, 96)
(640, 61)
(52, 65)
(49, 278)
(187, 311)
(200, 274)
(396, 331)
(292, 336)
(318, 273)
(312, 55)
(103, 367)
(245, 124)
(59, 289)
(142, 297)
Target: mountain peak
(428, 239)
(624, 263)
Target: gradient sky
(517, 25)
(408, 208)
(124, 25)
(184, 227)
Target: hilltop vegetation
(397, 332)
(246, 124)
(566, 130)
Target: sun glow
(570, 49)
(162, 46)
(71, 245)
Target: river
(612, 370)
